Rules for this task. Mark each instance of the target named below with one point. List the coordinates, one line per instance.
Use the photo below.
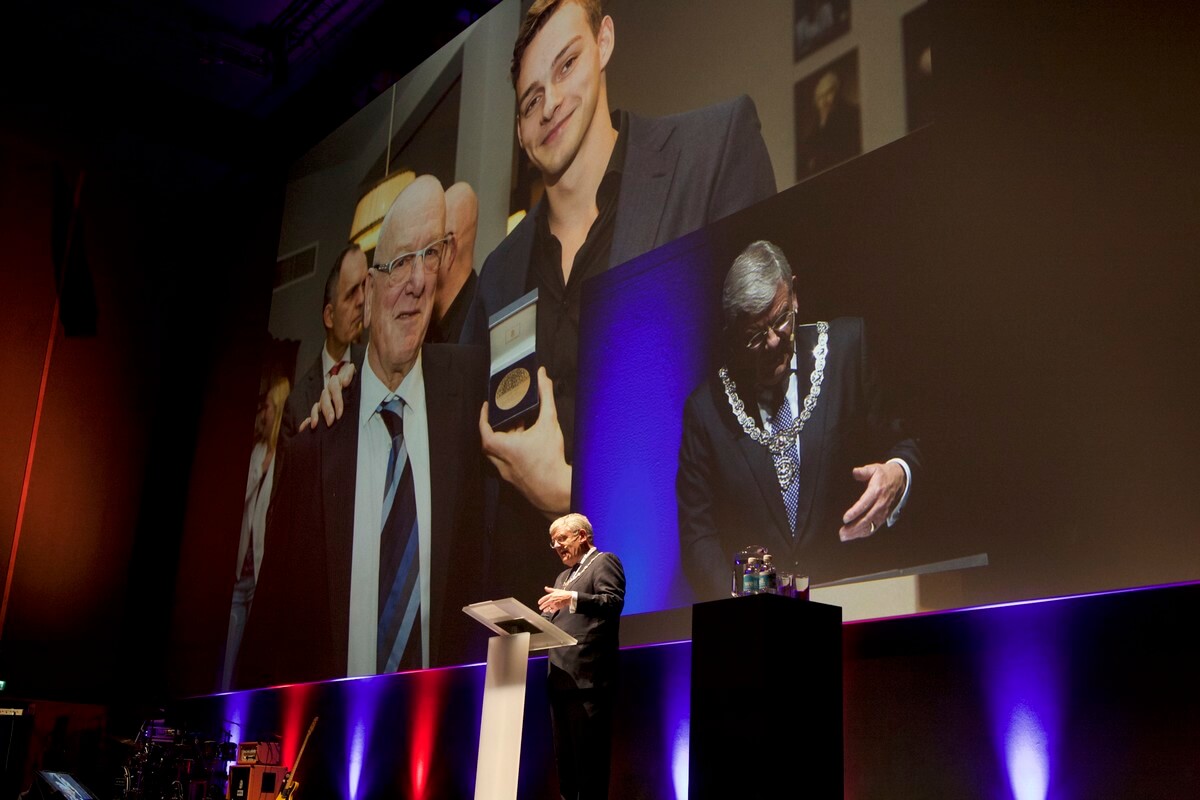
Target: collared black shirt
(558, 302)
(449, 328)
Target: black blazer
(726, 488)
(596, 625)
(307, 390)
(298, 625)
(681, 173)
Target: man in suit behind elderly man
(342, 316)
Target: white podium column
(503, 716)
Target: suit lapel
(813, 435)
(511, 283)
(758, 461)
(560, 583)
(314, 382)
(339, 465)
(356, 356)
(645, 182)
(443, 401)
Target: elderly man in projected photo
(616, 185)
(379, 516)
(787, 445)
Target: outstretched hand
(331, 405)
(885, 485)
(533, 459)
(553, 600)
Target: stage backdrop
(1023, 265)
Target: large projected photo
(757, 409)
(465, 186)
(877, 368)
(404, 232)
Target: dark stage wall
(1086, 697)
(176, 280)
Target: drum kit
(170, 763)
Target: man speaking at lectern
(586, 602)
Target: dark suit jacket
(449, 328)
(727, 492)
(298, 625)
(681, 173)
(596, 625)
(307, 390)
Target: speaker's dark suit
(298, 626)
(307, 390)
(581, 677)
(726, 488)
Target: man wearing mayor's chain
(787, 445)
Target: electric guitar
(290, 784)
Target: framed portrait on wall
(828, 119)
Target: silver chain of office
(786, 467)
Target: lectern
(519, 631)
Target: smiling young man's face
(559, 89)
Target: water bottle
(739, 566)
(750, 576)
(767, 579)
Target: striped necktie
(398, 640)
(782, 419)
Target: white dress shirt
(374, 445)
(328, 362)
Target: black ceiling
(234, 82)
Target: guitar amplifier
(268, 753)
(255, 782)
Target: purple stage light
(1023, 675)
(676, 712)
(364, 698)
(1026, 753)
(236, 713)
